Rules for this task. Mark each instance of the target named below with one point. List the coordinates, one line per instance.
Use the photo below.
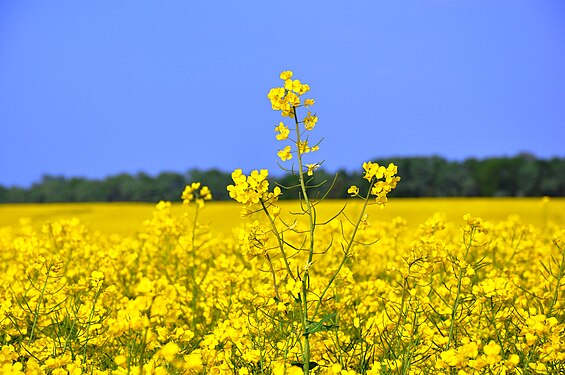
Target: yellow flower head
(192, 194)
(253, 189)
(312, 168)
(384, 180)
(283, 130)
(353, 190)
(373, 170)
(310, 121)
(169, 351)
(287, 97)
(287, 74)
(96, 279)
(304, 148)
(253, 240)
(492, 351)
(285, 154)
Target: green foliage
(521, 175)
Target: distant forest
(519, 176)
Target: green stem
(303, 188)
(305, 336)
(193, 269)
(458, 294)
(279, 239)
(273, 274)
(194, 224)
(38, 306)
(89, 323)
(347, 249)
(557, 282)
(312, 226)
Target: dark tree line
(522, 175)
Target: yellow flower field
(436, 286)
(77, 299)
(222, 217)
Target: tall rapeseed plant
(298, 248)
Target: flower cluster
(97, 278)
(287, 99)
(253, 240)
(252, 191)
(383, 180)
(193, 193)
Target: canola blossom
(252, 191)
(194, 194)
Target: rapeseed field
(270, 287)
(222, 217)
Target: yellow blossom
(353, 190)
(285, 154)
(120, 360)
(252, 190)
(194, 194)
(283, 130)
(287, 74)
(311, 168)
(310, 121)
(96, 278)
(492, 351)
(169, 351)
(193, 362)
(309, 102)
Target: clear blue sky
(95, 88)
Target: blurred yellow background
(127, 218)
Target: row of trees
(522, 175)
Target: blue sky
(97, 88)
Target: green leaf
(325, 324)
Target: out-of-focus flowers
(193, 193)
